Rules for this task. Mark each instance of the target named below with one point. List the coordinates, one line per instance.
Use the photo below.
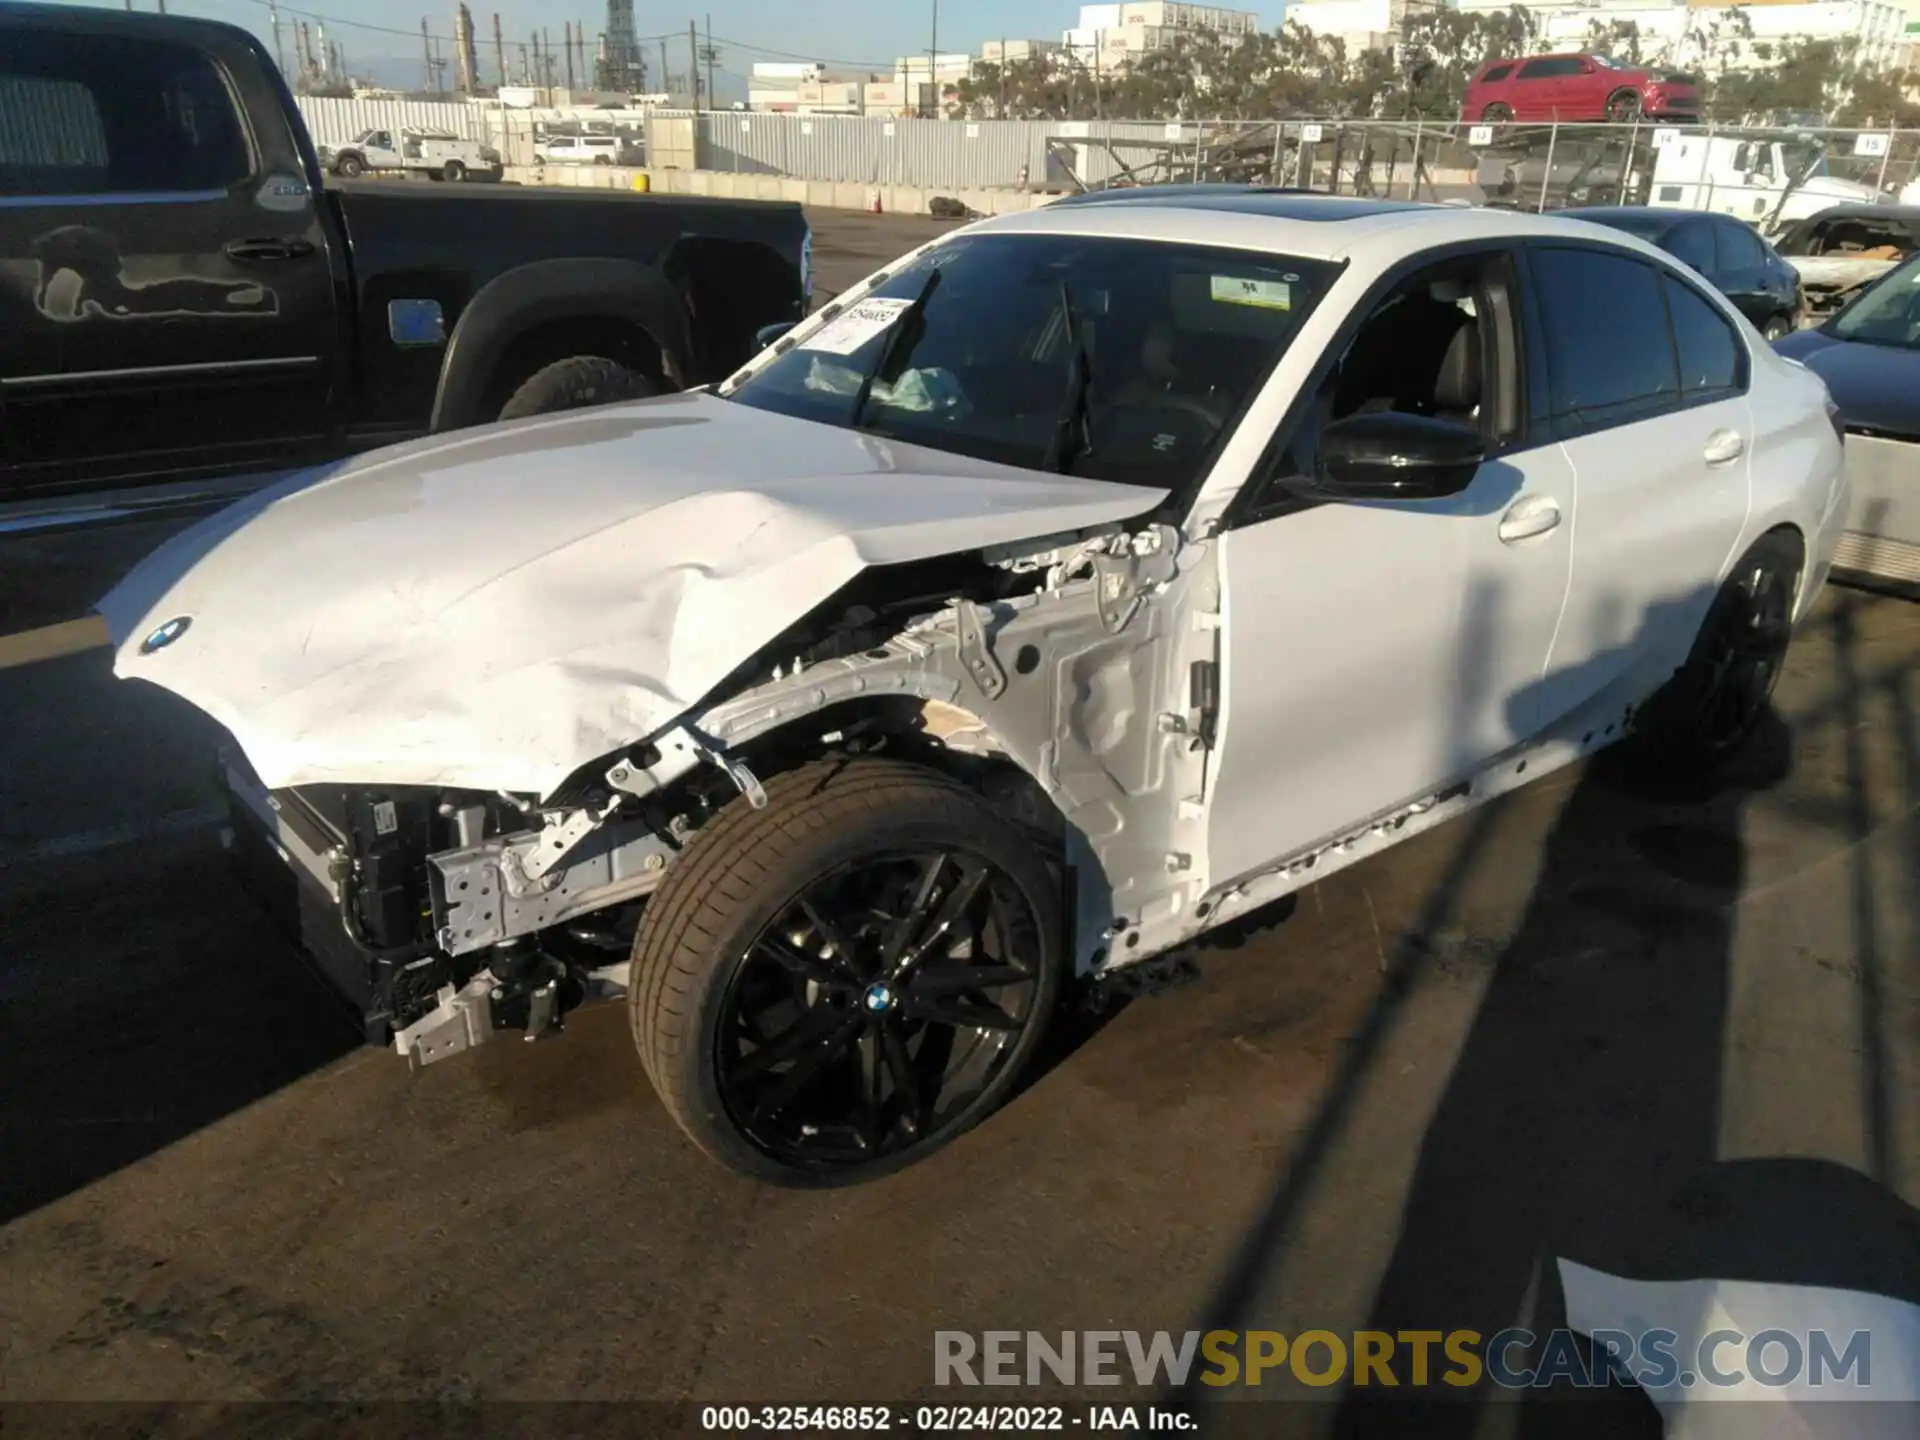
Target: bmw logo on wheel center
(166, 634)
(880, 997)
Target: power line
(796, 55)
(335, 20)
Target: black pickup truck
(180, 297)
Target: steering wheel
(1187, 405)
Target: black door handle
(257, 250)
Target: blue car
(1869, 355)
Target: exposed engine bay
(459, 913)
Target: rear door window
(1609, 352)
(1711, 356)
(107, 115)
(1739, 249)
(1693, 245)
(1537, 70)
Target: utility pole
(566, 41)
(712, 55)
(426, 46)
(546, 59)
(666, 81)
(933, 59)
(499, 49)
(693, 55)
(526, 75)
(279, 54)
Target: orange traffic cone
(873, 202)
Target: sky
(851, 34)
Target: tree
(1618, 38)
(1292, 72)
(1445, 48)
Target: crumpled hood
(496, 608)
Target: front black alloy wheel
(831, 987)
(877, 1007)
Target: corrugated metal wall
(336, 121)
(939, 154)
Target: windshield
(1804, 159)
(1120, 359)
(1886, 314)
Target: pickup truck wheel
(350, 167)
(1497, 114)
(1707, 711)
(453, 172)
(830, 988)
(1624, 108)
(575, 383)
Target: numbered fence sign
(1871, 145)
(1172, 131)
(1310, 134)
(1480, 135)
(1664, 136)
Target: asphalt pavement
(1533, 1033)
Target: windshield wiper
(1066, 446)
(894, 352)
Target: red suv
(1576, 87)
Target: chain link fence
(1765, 175)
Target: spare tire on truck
(574, 384)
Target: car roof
(1864, 212)
(1284, 202)
(1610, 214)
(1320, 227)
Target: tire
(1777, 327)
(1624, 108)
(1497, 114)
(349, 167)
(575, 384)
(453, 172)
(854, 1075)
(1719, 696)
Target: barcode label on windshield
(847, 332)
(1267, 294)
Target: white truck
(439, 154)
(1768, 183)
(568, 149)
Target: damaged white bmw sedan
(1078, 583)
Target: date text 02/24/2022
(941, 1419)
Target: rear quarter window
(1498, 72)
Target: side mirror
(767, 334)
(1391, 456)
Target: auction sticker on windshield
(1240, 290)
(847, 332)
